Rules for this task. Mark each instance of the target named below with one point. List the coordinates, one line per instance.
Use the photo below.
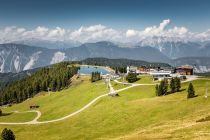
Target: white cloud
(131, 33)
(164, 24)
(39, 31)
(161, 31)
(57, 32)
(94, 33)
(103, 33)
(21, 30)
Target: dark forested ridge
(55, 77)
(11, 52)
(7, 78)
(121, 62)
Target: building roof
(160, 73)
(185, 67)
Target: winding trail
(30, 122)
(35, 120)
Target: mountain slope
(179, 49)
(16, 57)
(110, 50)
(7, 78)
(201, 64)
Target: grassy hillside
(59, 104)
(17, 117)
(55, 78)
(143, 79)
(136, 114)
(117, 86)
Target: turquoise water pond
(90, 69)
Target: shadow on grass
(6, 114)
(193, 97)
(182, 90)
(168, 93)
(137, 79)
(204, 119)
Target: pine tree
(162, 88)
(131, 77)
(157, 90)
(53, 85)
(172, 85)
(191, 91)
(58, 84)
(116, 70)
(7, 134)
(92, 76)
(177, 84)
(95, 76)
(165, 87)
(44, 86)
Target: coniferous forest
(54, 78)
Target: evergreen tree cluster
(7, 134)
(119, 70)
(95, 76)
(55, 77)
(162, 88)
(131, 77)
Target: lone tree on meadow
(191, 91)
(7, 134)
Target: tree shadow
(194, 96)
(207, 118)
(6, 114)
(137, 79)
(182, 90)
(168, 93)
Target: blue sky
(117, 14)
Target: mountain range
(19, 57)
(189, 49)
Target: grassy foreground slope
(173, 116)
(136, 114)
